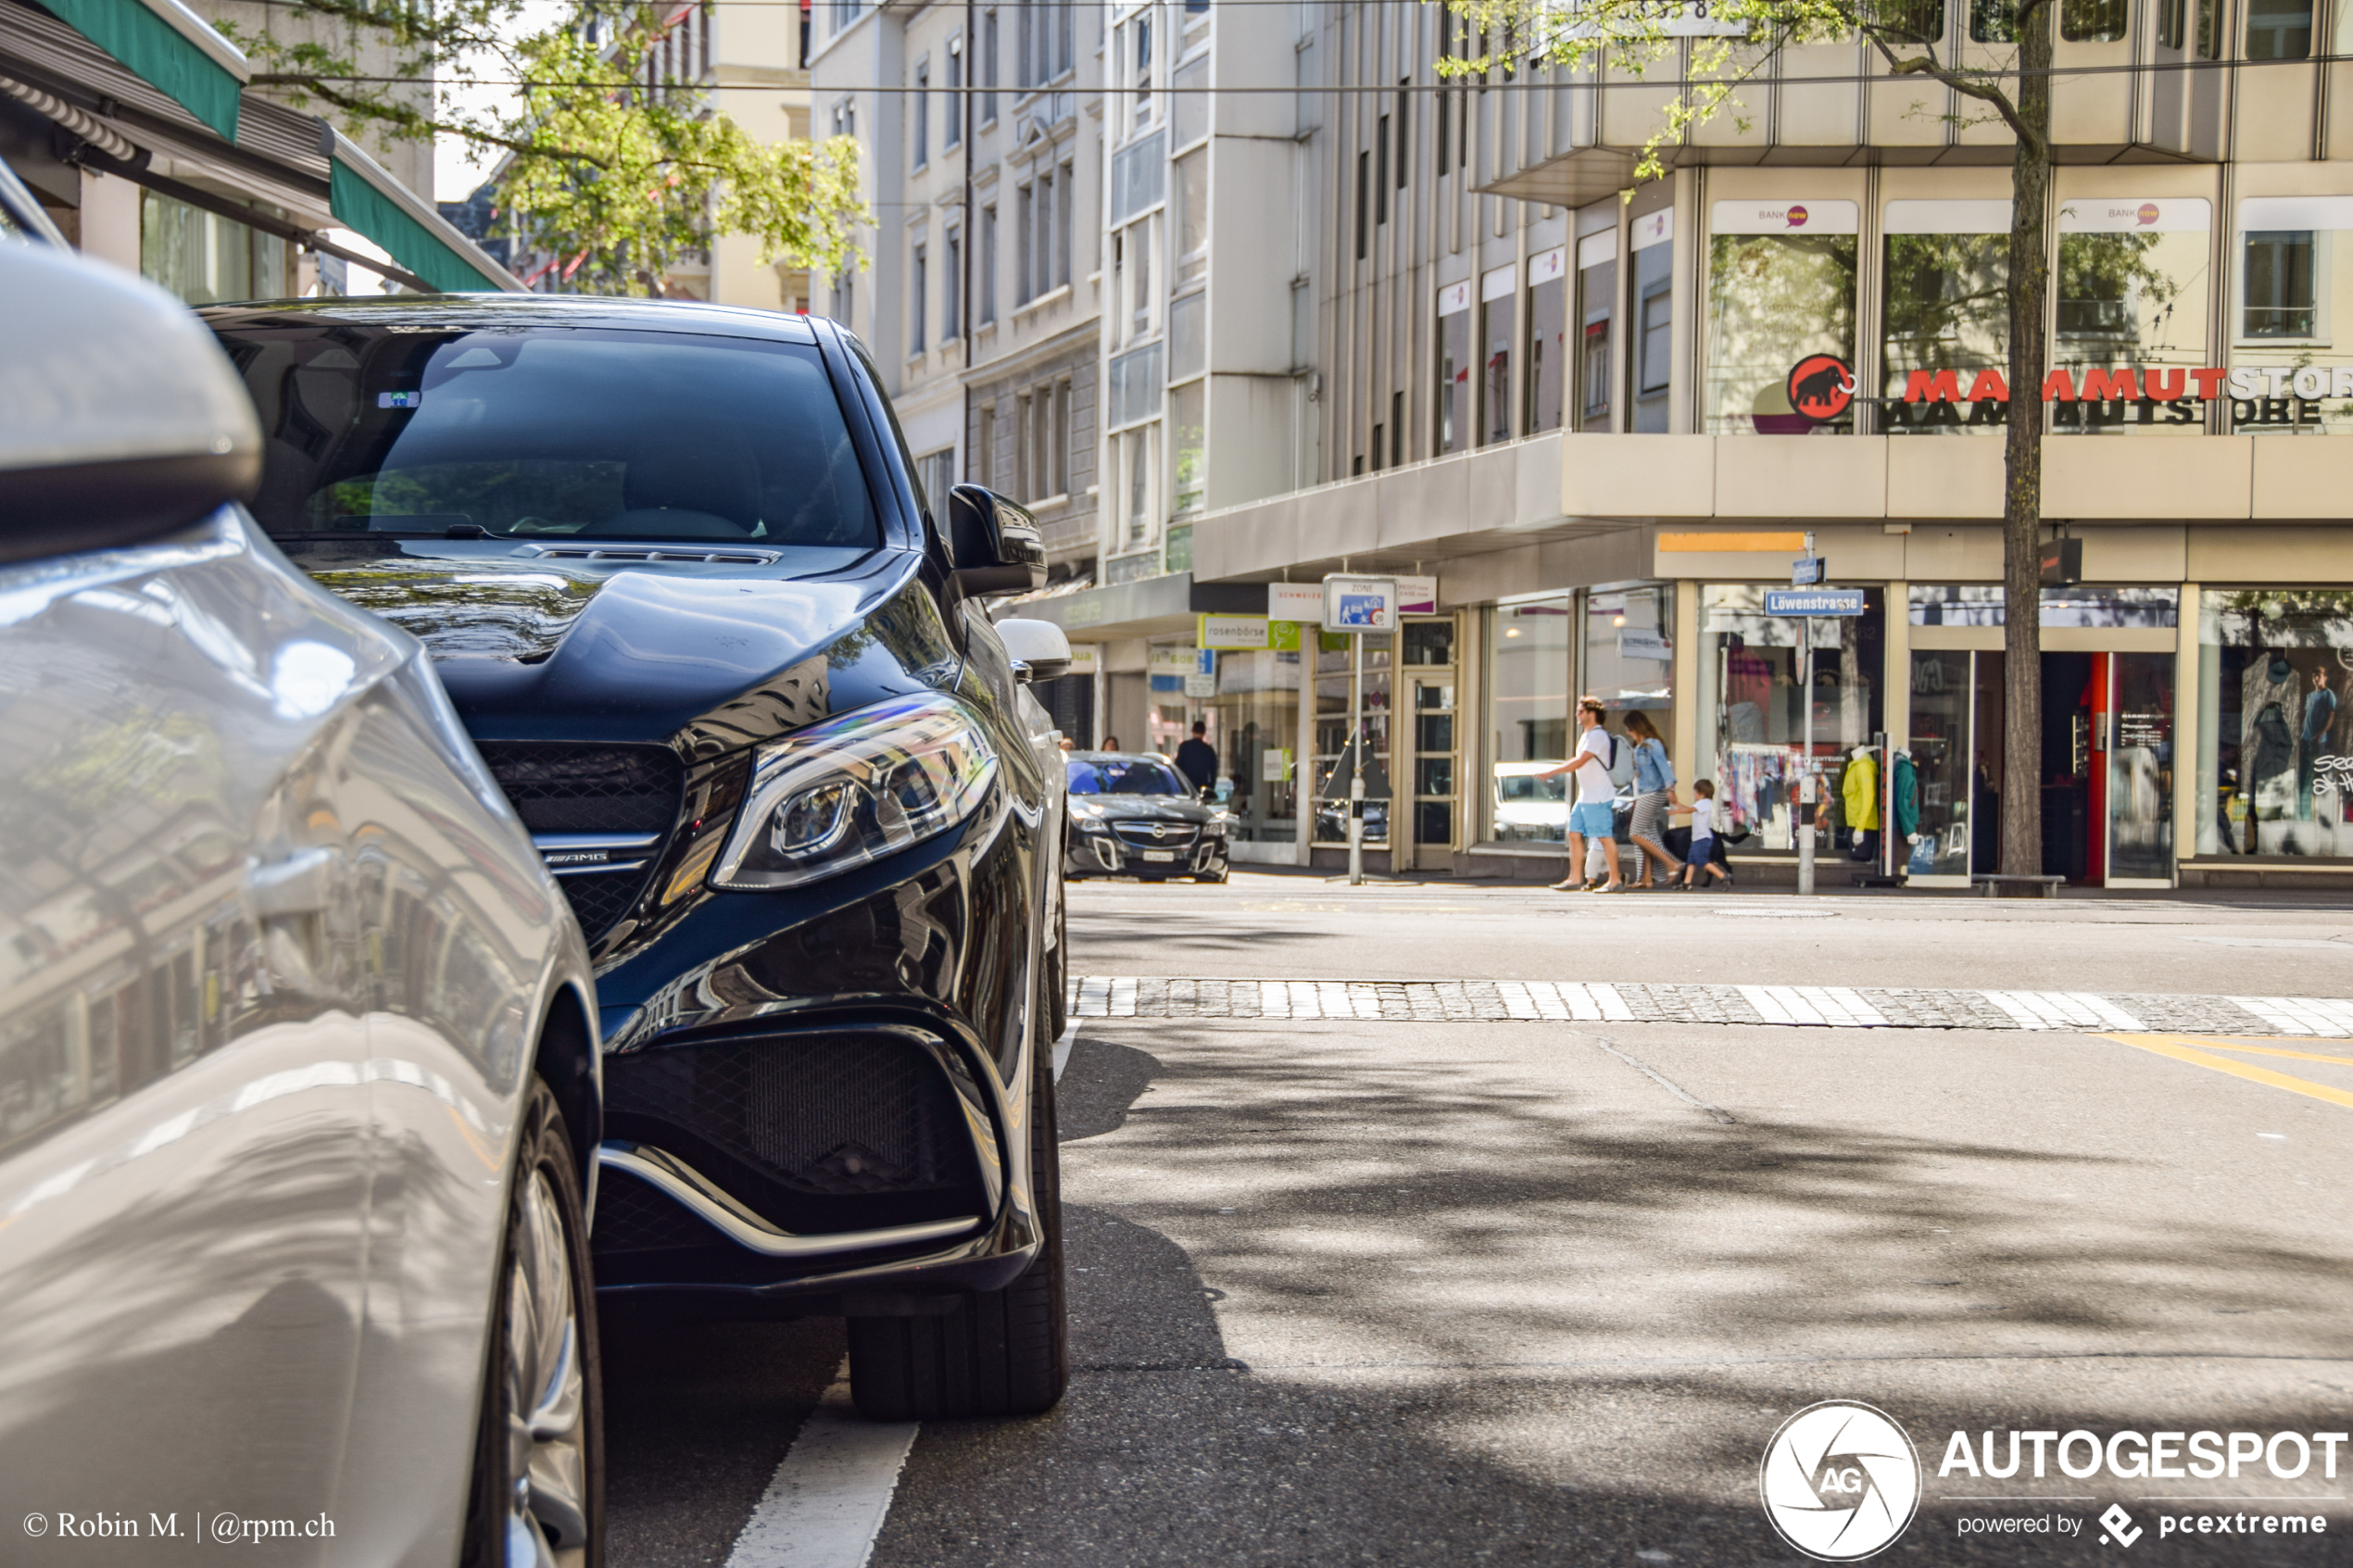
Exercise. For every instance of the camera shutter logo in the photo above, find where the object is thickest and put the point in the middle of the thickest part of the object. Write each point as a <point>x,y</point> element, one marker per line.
<point>1840,1481</point>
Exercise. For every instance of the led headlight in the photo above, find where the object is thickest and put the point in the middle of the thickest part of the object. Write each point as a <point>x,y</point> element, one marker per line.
<point>855,788</point>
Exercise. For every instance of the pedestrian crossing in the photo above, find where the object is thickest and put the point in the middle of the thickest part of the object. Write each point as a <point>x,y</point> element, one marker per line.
<point>1830,1006</point>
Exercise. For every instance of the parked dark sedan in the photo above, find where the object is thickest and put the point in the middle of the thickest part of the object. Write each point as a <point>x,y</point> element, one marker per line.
<point>1133,815</point>
<point>727,661</point>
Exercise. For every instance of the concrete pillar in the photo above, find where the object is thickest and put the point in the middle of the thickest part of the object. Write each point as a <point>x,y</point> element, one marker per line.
<point>110,219</point>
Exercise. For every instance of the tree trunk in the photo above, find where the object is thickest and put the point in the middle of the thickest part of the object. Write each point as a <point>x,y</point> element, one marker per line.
<point>2022,489</point>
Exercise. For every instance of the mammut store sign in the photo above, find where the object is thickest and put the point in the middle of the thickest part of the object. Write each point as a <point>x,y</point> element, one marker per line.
<point>2259,394</point>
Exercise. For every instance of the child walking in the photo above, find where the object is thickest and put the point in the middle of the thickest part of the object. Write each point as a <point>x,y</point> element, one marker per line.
<point>1702,862</point>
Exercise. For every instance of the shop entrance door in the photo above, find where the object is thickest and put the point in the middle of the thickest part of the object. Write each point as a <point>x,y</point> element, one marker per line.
<point>1433,741</point>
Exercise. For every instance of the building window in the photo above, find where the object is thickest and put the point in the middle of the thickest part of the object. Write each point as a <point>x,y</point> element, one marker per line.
<point>988,264</point>
<point>983,466</point>
<point>1069,189</point>
<point>1596,313</point>
<point>1404,147</point>
<point>1496,314</point>
<point>1945,295</point>
<point>2279,30</point>
<point>1380,170</point>
<point>918,290</point>
<point>1454,368</point>
<point>1653,321</point>
<point>953,132</point>
<point>1059,459</point>
<point>951,286</point>
<point>935,471</point>
<point>2133,296</point>
<point>205,257</point>
<point>1024,473</point>
<point>2299,373</point>
<point>2103,21</point>
<point>1396,430</point>
<point>2276,726</point>
<point>1776,298</point>
<point>1379,442</point>
<point>1547,340</point>
<point>1528,659</point>
<point>988,67</point>
<point>923,113</point>
<point>2279,284</point>
<point>1024,232</point>
<point>1364,198</point>
<point>1993,21</point>
<point>1191,193</point>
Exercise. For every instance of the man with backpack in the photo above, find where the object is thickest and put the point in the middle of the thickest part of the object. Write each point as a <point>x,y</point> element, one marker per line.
<point>1591,816</point>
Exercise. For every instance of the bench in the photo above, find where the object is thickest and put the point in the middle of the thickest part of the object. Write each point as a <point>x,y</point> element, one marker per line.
<point>1990,885</point>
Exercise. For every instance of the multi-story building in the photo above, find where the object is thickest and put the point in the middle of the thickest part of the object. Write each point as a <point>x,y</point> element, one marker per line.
<point>1611,515</point>
<point>985,287</point>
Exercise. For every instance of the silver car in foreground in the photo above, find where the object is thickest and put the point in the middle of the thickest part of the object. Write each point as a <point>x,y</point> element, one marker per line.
<point>299,1079</point>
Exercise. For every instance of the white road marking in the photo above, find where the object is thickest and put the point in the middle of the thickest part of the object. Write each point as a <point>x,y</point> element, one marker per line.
<point>829,1497</point>
<point>1061,1051</point>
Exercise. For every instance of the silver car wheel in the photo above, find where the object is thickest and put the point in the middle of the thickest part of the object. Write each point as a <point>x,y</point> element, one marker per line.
<point>545,1395</point>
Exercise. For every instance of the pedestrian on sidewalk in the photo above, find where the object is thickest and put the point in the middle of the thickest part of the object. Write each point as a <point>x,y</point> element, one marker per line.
<point>1593,814</point>
<point>1197,760</point>
<point>1707,846</point>
<point>1654,796</point>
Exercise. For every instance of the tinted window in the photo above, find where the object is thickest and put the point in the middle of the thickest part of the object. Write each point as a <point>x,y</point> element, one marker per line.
<point>1125,776</point>
<point>551,435</point>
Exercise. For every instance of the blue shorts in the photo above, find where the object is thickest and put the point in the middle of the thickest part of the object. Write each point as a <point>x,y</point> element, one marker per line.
<point>1592,818</point>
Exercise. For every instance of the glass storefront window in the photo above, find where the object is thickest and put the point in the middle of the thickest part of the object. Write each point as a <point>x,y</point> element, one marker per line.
<point>1755,727</point>
<point>1629,657</point>
<point>1253,723</point>
<point>1547,340</point>
<point>2085,605</point>
<point>206,258</point>
<point>2275,733</point>
<point>1597,310</point>
<point>1454,368</point>
<point>2296,287</point>
<point>2134,286</point>
<point>1945,292</point>
<point>1943,752</point>
<point>1527,696</point>
<point>1335,760</point>
<point>1780,288</point>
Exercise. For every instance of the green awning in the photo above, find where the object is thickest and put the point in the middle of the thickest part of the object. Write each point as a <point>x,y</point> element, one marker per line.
<point>364,198</point>
<point>169,47</point>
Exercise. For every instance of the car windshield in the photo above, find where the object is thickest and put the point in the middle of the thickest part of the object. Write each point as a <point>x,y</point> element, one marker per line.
<point>549,433</point>
<point>1123,775</point>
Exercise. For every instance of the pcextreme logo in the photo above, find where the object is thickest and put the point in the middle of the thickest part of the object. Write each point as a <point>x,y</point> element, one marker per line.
<point>1840,1481</point>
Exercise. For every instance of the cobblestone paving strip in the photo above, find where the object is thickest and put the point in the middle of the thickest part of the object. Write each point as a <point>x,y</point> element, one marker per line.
<point>1829,1007</point>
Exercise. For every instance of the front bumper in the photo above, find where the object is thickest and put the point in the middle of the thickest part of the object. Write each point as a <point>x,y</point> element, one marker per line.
<point>817,1097</point>
<point>1106,854</point>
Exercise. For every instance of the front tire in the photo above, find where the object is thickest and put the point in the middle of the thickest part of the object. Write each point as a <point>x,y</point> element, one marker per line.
<point>999,1352</point>
<point>538,1497</point>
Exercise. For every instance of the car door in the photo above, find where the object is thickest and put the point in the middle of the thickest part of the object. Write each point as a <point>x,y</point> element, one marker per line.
<point>183,1119</point>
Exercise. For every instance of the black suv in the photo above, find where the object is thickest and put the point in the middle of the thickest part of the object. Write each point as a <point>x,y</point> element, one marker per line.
<point>675,570</point>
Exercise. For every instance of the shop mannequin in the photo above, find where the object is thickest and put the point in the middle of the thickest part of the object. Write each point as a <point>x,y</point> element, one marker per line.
<point>1858,792</point>
<point>2271,709</point>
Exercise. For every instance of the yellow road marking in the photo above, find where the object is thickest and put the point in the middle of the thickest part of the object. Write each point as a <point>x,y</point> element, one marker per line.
<point>2264,1050</point>
<point>2178,1048</point>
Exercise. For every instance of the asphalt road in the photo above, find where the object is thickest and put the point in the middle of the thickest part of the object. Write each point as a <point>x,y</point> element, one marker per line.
<point>1542,1292</point>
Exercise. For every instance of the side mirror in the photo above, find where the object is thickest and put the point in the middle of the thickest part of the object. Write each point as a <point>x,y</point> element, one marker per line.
<point>996,543</point>
<point>119,417</point>
<point>1040,651</point>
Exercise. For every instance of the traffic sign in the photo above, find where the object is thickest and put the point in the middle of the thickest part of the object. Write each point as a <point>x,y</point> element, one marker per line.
<point>1359,604</point>
<point>1814,601</point>
<point>1807,571</point>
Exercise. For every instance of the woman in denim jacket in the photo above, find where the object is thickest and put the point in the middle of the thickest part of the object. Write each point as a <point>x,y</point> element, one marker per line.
<point>1654,793</point>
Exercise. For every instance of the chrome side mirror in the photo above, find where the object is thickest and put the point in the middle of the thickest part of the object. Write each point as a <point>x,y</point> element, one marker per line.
<point>1039,650</point>
<point>119,417</point>
<point>996,543</point>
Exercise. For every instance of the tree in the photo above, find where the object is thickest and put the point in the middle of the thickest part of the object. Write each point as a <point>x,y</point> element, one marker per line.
<point>606,164</point>
<point>1634,36</point>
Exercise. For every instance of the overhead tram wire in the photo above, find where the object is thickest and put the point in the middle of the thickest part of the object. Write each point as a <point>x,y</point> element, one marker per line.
<point>1458,84</point>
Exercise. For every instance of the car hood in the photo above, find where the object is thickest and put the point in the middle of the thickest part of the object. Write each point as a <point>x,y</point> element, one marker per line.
<point>1149,808</point>
<point>532,647</point>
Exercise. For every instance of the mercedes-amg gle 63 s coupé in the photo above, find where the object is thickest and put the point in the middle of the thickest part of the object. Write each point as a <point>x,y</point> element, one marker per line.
<point>730,665</point>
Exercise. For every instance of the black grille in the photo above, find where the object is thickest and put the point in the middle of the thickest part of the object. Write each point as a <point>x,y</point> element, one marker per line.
<point>564,787</point>
<point>1174,836</point>
<point>836,1115</point>
<point>632,1217</point>
<point>557,786</point>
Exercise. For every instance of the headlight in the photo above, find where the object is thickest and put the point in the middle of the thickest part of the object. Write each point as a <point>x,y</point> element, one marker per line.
<point>856,788</point>
<point>1086,809</point>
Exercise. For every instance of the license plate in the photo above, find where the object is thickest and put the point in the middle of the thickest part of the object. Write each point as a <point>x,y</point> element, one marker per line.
<point>1160,854</point>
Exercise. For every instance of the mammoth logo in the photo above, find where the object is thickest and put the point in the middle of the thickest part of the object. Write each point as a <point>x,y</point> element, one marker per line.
<point>1820,387</point>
